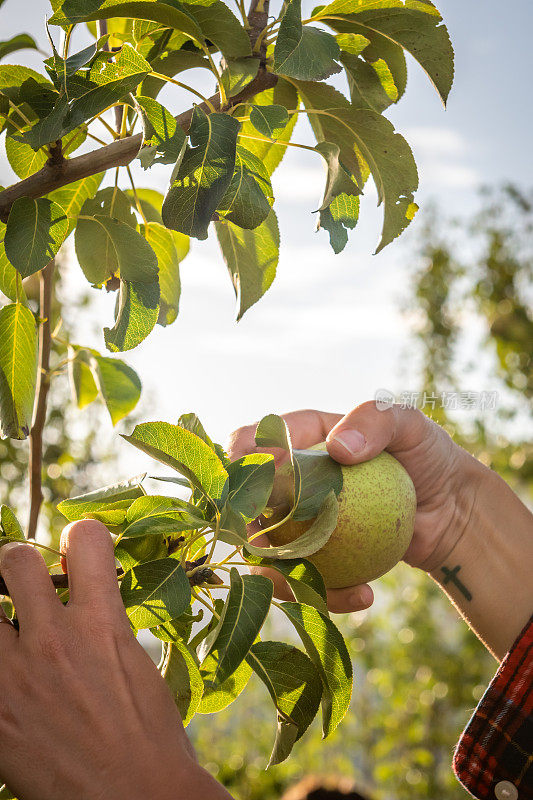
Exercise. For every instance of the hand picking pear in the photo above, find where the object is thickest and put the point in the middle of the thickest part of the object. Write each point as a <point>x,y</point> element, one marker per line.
<point>377,507</point>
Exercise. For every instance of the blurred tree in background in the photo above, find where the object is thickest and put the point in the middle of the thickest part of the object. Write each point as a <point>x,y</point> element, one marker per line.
<point>419,671</point>
<point>473,294</point>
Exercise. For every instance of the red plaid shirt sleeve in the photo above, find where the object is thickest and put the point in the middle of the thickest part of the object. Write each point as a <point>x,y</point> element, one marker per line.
<point>494,757</point>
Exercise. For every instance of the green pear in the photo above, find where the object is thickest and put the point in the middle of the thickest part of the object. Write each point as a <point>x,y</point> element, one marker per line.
<point>377,507</point>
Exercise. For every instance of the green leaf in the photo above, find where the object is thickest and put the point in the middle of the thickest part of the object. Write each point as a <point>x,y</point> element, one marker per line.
<point>340,216</point>
<point>294,686</point>
<point>136,315</point>
<point>248,198</point>
<point>167,14</point>
<point>383,54</point>
<point>416,25</point>
<point>183,451</point>
<point>83,57</point>
<point>129,62</point>
<point>157,504</point>
<point>269,120</point>
<point>371,85</point>
<point>250,483</point>
<point>10,279</point>
<point>183,678</point>
<point>389,157</point>
<point>220,26</point>
<point>161,525</point>
<point>77,507</point>
<point>251,257</point>
<point>20,42</point>
<point>338,180</point>
<point>192,423</point>
<point>155,592</point>
<point>25,161</point>
<point>327,650</point>
<point>109,83</point>
<point>91,374</point>
<point>118,384</point>
<point>242,618</point>
<point>312,540</point>
<point>392,166</point>
<point>303,52</point>
<point>131,552</point>
<point>170,64</point>
<point>35,231</point>
<point>163,136</point>
<point>72,197</point>
<point>162,242</point>
<point>232,527</point>
<point>83,386</point>
<point>270,153</point>
<point>203,175</point>
<point>179,629</point>
<point>9,524</point>
<point>111,202</point>
<point>238,73</point>
<point>272,431</point>
<point>327,127</point>
<point>220,696</point>
<point>13,76</point>
<point>18,370</point>
<point>105,245</point>
<point>317,474</point>
<point>304,579</point>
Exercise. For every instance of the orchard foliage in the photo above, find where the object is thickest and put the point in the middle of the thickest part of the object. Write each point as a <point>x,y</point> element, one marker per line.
<point>221,154</point>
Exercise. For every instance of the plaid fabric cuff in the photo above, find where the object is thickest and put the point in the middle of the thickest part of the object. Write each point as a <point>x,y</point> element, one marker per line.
<point>494,757</point>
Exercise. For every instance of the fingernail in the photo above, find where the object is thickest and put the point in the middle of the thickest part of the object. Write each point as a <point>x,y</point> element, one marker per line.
<point>353,441</point>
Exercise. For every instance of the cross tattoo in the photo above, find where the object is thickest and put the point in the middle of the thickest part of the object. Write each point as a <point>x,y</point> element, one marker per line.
<point>451,577</point>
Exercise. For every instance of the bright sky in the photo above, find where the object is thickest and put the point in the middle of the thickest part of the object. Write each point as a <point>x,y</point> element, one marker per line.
<point>330,331</point>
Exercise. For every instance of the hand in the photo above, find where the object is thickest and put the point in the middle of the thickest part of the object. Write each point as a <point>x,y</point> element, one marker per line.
<point>84,713</point>
<point>444,476</point>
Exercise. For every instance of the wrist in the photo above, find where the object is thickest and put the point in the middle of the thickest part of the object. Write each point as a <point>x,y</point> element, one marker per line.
<point>460,514</point>
<point>486,573</point>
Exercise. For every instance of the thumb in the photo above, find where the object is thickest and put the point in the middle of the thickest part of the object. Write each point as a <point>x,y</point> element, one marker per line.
<point>367,430</point>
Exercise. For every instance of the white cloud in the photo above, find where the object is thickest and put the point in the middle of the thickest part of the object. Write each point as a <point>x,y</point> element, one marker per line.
<point>435,140</point>
<point>443,158</point>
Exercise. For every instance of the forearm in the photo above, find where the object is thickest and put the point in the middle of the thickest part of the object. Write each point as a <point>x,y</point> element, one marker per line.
<point>488,573</point>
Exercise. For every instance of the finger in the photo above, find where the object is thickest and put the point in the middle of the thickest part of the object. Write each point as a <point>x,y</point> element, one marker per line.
<point>90,560</point>
<point>354,598</point>
<point>340,601</point>
<point>29,584</point>
<point>307,427</point>
<point>366,431</point>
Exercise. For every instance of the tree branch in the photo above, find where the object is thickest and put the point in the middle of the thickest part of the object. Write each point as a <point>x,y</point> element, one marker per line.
<point>258,20</point>
<point>46,278</point>
<point>116,154</point>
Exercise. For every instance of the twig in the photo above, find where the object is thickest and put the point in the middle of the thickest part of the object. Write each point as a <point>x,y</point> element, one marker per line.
<point>46,279</point>
<point>116,154</point>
